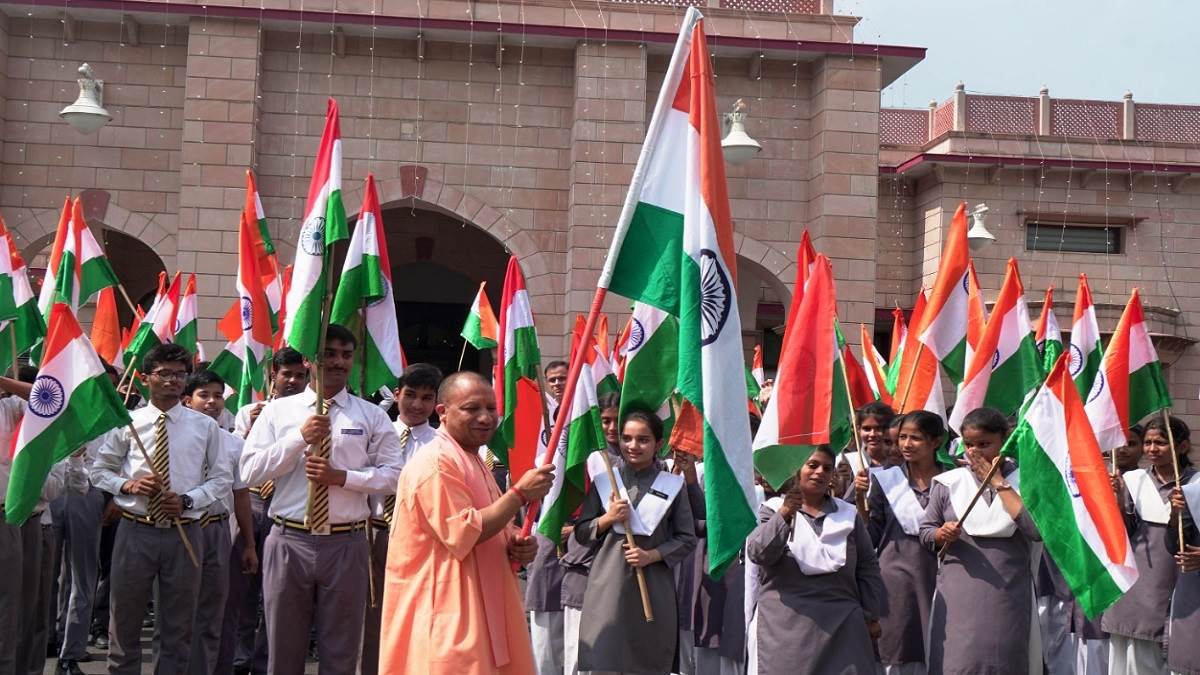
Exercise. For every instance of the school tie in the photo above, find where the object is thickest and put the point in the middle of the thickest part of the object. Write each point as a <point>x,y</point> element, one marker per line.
<point>266,490</point>
<point>389,503</point>
<point>489,459</point>
<point>161,462</point>
<point>318,493</point>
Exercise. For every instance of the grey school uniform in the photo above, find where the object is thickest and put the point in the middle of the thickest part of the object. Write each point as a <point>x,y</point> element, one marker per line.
<point>613,633</point>
<point>982,608</point>
<point>812,623</point>
<point>719,620</point>
<point>1142,612</point>
<point>909,571</point>
<point>1183,626</point>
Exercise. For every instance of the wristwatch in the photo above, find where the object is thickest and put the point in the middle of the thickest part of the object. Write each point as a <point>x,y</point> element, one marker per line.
<point>186,501</point>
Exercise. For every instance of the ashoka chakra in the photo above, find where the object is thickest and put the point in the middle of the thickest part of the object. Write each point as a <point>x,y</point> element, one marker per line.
<point>637,334</point>
<point>1075,360</point>
<point>47,397</point>
<point>716,295</point>
<point>312,236</point>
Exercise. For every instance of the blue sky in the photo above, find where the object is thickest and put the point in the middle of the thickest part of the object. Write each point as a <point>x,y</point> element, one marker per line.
<point>1079,49</point>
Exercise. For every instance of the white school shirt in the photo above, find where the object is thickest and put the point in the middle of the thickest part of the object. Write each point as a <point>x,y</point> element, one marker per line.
<point>233,457</point>
<point>418,437</point>
<point>12,409</point>
<point>198,466</point>
<point>241,422</point>
<point>365,446</point>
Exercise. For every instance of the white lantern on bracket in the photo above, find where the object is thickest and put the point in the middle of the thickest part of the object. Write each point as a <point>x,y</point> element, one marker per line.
<point>87,113</point>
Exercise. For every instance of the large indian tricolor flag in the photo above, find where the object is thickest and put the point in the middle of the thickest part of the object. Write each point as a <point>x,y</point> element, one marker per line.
<point>1130,383</point>
<point>673,249</point>
<point>364,301</point>
<point>809,406</point>
<point>1068,493</point>
<point>72,402</point>
<point>520,359</point>
<point>1006,368</point>
<point>945,321</point>
<point>324,224</point>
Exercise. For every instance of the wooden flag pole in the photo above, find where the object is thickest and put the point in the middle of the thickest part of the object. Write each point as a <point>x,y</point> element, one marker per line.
<point>643,589</point>
<point>187,544</point>
<point>319,383</point>
<point>860,500</point>
<point>912,375</point>
<point>463,354</point>
<point>978,493</point>
<point>12,336</point>
<point>1175,465</point>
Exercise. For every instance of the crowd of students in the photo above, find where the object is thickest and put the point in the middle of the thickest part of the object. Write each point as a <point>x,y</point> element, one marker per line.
<point>851,568</point>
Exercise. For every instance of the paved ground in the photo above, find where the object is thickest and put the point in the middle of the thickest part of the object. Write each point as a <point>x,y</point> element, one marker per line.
<point>96,665</point>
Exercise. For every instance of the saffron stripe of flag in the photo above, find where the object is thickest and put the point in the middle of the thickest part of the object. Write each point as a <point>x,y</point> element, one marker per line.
<point>481,328</point>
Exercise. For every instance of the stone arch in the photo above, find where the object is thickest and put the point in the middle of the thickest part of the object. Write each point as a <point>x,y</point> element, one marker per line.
<point>773,266</point>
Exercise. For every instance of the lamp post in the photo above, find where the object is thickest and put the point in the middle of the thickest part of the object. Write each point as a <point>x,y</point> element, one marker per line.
<point>737,146</point>
<point>87,113</point>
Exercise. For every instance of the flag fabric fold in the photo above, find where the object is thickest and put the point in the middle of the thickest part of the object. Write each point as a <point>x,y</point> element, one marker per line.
<point>186,329</point>
<point>20,321</point>
<point>1046,333</point>
<point>480,328</point>
<point>945,321</point>
<point>1068,493</point>
<point>1085,349</point>
<point>519,358</point>
<point>876,367</point>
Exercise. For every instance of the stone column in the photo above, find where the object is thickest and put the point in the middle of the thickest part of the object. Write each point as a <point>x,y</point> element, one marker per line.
<point>844,179</point>
<point>220,114</point>
<point>606,137</point>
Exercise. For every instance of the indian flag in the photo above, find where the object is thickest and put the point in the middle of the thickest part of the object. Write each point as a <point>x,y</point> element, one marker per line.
<point>366,285</point>
<point>858,383</point>
<point>93,270</point>
<point>919,375</point>
<point>602,370</point>
<point>520,358</point>
<point>480,328</point>
<point>242,363</point>
<point>1130,383</point>
<point>72,402</point>
<point>18,309</point>
<point>254,217</point>
<point>324,224</point>
<point>155,327</point>
<point>943,325</point>
<point>1086,352</point>
<point>976,314</point>
<point>757,371</point>
<point>1006,369</point>
<point>186,328</point>
<point>809,406</point>
<point>1046,333</point>
<point>50,281</point>
<point>899,337</point>
<point>673,249</point>
<point>651,359</point>
<point>1067,491</point>
<point>584,435</point>
<point>876,367</point>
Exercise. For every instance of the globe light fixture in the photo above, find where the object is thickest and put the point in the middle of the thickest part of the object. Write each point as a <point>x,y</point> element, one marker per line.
<point>87,113</point>
<point>737,146</point>
<point>978,236</point>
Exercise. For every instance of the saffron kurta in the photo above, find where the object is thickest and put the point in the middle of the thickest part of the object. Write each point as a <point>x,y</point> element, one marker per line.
<point>451,604</point>
<point>983,608</point>
<point>812,623</point>
<point>613,633</point>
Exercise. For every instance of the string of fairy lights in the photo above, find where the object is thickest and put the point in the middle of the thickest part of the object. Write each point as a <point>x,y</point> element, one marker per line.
<point>1043,192</point>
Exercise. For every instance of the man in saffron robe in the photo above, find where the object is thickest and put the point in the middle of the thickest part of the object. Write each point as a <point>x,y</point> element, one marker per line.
<point>451,604</point>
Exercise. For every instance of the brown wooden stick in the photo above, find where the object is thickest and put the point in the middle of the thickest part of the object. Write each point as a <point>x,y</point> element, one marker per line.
<point>860,500</point>
<point>1175,465</point>
<point>647,610</point>
<point>978,493</point>
<point>187,544</point>
<point>12,335</point>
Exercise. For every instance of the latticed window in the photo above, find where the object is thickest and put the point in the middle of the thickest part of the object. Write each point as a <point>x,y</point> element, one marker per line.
<point>1073,237</point>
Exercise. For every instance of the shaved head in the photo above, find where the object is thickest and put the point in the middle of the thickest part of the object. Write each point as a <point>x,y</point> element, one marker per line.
<point>461,381</point>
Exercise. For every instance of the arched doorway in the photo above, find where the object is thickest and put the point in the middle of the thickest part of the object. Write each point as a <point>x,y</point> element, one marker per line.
<point>762,303</point>
<point>437,263</point>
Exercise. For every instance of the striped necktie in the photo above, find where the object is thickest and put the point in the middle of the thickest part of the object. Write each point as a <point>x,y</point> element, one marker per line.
<point>318,493</point>
<point>489,459</point>
<point>161,462</point>
<point>389,503</point>
<point>266,490</point>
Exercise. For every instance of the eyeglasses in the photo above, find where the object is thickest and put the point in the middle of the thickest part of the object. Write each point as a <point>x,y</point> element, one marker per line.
<point>170,374</point>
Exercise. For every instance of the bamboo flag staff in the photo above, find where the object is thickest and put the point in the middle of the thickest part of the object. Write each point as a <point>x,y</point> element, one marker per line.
<point>1175,465</point>
<point>983,485</point>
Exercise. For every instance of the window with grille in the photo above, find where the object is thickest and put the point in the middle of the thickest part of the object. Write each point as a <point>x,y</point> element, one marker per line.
<point>1073,238</point>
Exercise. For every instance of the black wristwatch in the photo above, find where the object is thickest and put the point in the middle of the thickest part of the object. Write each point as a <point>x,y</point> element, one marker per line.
<point>186,501</point>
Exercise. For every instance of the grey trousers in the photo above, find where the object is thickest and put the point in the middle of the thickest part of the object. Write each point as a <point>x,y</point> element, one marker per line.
<point>210,603</point>
<point>12,562</point>
<point>43,617</point>
<point>30,592</point>
<point>82,552</point>
<point>250,649</point>
<point>370,645</point>
<point>152,560</point>
<point>309,578</point>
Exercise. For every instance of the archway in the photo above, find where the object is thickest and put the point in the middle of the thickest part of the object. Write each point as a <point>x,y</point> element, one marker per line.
<point>762,304</point>
<point>437,263</point>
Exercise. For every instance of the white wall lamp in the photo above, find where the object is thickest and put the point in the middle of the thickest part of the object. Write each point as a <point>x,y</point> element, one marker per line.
<point>87,113</point>
<point>978,237</point>
<point>737,145</point>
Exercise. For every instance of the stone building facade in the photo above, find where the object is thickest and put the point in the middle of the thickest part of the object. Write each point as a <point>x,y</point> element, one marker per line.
<point>513,127</point>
